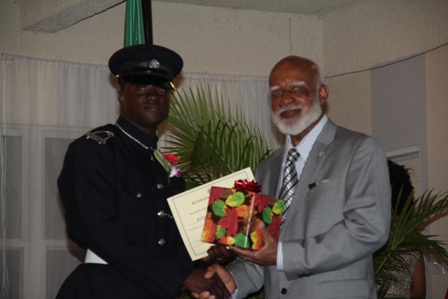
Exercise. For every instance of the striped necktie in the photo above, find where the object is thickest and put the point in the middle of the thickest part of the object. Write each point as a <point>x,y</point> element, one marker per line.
<point>290,180</point>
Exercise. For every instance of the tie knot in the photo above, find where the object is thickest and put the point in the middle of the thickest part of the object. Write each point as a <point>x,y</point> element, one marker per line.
<point>293,155</point>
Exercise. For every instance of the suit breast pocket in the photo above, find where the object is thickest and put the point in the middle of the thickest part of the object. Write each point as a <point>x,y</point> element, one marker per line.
<point>325,205</point>
<point>322,191</point>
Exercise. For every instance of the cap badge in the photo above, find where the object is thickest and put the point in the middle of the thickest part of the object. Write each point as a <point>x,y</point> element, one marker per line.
<point>154,64</point>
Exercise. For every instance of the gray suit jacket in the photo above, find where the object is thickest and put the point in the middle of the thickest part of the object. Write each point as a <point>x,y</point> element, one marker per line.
<point>332,228</point>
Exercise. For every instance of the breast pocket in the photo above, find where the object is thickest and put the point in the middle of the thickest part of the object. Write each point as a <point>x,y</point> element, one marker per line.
<point>325,204</point>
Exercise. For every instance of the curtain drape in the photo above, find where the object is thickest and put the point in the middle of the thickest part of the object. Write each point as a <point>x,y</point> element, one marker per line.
<point>44,106</point>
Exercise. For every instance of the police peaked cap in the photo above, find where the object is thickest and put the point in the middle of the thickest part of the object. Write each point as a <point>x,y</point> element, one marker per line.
<point>147,65</point>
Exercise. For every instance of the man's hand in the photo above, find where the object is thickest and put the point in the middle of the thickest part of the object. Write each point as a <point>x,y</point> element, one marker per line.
<point>225,276</point>
<point>266,255</point>
<point>219,254</point>
<point>204,282</point>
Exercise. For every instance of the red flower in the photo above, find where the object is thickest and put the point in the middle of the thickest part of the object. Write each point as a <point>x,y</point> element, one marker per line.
<point>173,159</point>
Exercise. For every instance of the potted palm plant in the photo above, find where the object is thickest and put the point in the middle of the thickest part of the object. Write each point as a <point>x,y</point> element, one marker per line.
<point>407,238</point>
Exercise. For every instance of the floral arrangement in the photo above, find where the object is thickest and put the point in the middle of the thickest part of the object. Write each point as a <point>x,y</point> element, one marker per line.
<point>173,160</point>
<point>169,162</point>
<point>233,215</point>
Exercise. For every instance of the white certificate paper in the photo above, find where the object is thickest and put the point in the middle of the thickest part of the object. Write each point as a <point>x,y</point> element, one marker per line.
<point>189,210</point>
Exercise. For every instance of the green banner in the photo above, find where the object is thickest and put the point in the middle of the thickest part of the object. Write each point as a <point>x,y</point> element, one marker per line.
<point>134,32</point>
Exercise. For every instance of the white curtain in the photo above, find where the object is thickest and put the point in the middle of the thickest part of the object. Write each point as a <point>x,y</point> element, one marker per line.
<point>45,105</point>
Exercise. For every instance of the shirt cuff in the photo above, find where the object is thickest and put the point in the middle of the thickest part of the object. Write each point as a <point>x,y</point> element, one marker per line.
<point>280,266</point>
<point>235,293</point>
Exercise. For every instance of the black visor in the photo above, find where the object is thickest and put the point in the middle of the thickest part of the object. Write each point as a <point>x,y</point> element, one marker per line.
<point>148,76</point>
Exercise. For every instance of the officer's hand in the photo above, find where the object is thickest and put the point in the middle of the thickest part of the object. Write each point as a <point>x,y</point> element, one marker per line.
<point>208,283</point>
<point>225,276</point>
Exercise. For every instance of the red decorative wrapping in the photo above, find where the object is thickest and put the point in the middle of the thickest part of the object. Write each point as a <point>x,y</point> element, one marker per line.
<point>233,215</point>
<point>244,185</point>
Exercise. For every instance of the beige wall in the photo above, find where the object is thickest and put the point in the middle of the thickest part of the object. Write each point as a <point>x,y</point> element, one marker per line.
<point>349,101</point>
<point>229,41</point>
<point>373,32</point>
<point>212,40</point>
<point>437,108</point>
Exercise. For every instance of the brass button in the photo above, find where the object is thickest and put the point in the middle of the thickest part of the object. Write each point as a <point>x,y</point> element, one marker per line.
<point>139,195</point>
<point>159,186</point>
<point>161,242</point>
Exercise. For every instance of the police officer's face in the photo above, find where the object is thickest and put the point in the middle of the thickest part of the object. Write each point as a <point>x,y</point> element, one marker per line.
<point>146,106</point>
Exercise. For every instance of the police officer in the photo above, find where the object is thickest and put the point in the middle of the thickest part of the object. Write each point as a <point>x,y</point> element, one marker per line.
<point>114,188</point>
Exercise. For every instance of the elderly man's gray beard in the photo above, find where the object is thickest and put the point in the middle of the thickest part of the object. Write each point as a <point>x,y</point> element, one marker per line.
<point>298,125</point>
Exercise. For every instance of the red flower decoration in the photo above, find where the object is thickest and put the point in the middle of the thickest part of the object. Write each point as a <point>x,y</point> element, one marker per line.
<point>244,185</point>
<point>173,159</point>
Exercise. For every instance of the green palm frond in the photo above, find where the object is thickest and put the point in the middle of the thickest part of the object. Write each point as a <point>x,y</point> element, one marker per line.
<point>406,238</point>
<point>209,141</point>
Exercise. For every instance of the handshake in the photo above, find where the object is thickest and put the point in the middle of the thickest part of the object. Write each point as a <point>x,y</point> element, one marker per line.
<point>221,283</point>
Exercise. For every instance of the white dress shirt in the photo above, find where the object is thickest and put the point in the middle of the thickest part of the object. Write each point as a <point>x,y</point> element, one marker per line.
<point>304,148</point>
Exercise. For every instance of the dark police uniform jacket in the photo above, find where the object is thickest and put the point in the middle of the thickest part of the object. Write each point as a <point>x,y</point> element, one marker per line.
<point>114,193</point>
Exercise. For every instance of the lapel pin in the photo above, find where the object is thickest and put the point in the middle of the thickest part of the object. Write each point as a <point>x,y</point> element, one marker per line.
<point>320,155</point>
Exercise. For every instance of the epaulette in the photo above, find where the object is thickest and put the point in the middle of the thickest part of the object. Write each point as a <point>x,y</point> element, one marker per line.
<point>99,136</point>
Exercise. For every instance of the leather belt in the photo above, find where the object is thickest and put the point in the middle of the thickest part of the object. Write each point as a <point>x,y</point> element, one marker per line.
<point>92,258</point>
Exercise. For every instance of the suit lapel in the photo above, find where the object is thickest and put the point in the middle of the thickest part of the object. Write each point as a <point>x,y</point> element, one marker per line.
<point>274,172</point>
<point>316,158</point>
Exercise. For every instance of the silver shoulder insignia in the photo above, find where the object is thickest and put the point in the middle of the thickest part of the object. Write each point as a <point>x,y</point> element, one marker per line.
<point>100,136</point>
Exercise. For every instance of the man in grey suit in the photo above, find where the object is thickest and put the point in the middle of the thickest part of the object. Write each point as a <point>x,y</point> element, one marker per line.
<point>339,214</point>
